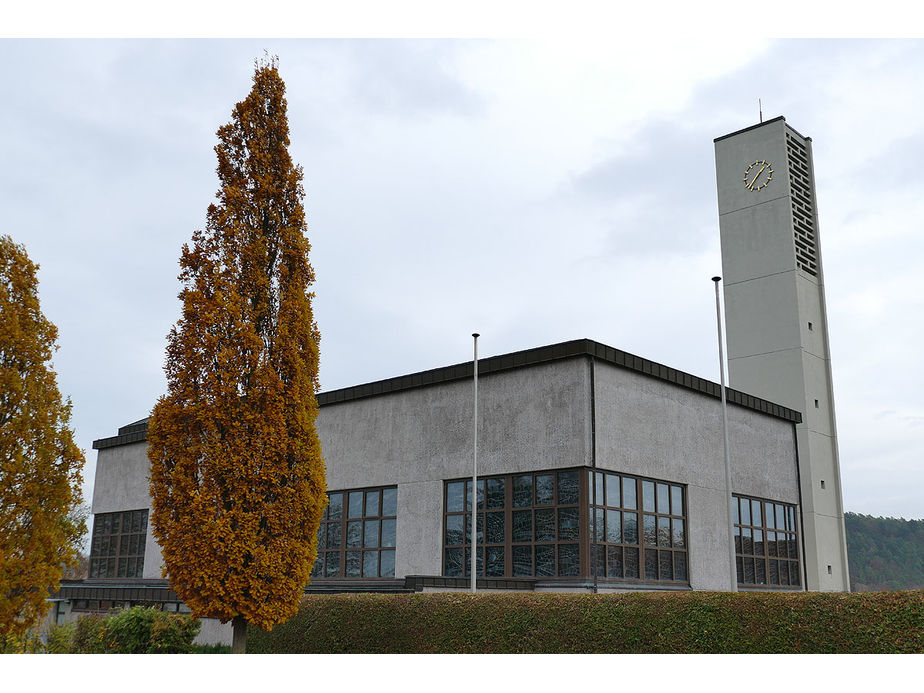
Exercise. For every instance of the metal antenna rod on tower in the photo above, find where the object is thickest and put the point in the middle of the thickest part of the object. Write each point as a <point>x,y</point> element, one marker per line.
<point>760,109</point>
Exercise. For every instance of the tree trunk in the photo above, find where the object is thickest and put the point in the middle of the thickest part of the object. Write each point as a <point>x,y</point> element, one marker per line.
<point>238,635</point>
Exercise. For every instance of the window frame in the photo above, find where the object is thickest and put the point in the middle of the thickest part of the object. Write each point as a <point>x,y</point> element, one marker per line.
<point>110,550</point>
<point>763,561</point>
<point>328,551</point>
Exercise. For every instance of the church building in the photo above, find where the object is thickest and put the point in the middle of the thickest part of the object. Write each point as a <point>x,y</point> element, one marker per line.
<point>598,470</point>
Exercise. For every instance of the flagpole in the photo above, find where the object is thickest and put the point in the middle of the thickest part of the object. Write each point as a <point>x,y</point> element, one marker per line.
<point>475,336</point>
<point>728,478</point>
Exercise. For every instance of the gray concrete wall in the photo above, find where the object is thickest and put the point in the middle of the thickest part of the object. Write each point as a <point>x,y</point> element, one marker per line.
<point>648,427</point>
<point>530,418</point>
<point>122,483</point>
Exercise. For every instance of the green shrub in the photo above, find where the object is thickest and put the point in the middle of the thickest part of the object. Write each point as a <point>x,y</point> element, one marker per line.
<point>61,638</point>
<point>135,631</point>
<point>212,649</point>
<point>646,622</point>
<point>88,635</point>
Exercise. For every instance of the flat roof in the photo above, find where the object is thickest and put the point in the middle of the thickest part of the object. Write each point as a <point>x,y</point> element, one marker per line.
<point>136,432</point>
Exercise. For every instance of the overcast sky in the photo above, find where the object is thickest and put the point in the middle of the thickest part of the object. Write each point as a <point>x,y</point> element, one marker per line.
<point>533,191</point>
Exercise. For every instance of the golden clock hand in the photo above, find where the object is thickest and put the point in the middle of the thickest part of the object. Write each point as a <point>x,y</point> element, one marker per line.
<point>751,184</point>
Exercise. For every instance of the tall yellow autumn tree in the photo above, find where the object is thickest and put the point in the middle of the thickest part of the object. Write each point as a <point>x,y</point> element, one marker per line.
<point>39,463</point>
<point>237,479</point>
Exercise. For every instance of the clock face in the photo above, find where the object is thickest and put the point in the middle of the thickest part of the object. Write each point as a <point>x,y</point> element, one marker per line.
<point>758,175</point>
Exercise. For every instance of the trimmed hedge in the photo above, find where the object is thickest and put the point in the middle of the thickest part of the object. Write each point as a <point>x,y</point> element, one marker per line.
<point>640,623</point>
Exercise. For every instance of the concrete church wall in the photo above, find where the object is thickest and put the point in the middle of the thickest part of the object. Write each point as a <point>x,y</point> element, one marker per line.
<point>531,418</point>
<point>648,427</point>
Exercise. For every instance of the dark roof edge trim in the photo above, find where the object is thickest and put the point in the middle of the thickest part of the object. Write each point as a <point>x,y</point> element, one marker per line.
<point>752,127</point>
<point>137,432</point>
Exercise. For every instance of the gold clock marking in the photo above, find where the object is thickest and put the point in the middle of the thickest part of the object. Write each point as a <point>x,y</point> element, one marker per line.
<point>758,175</point>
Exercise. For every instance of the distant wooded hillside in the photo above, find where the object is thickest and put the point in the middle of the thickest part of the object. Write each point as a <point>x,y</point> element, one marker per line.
<point>884,553</point>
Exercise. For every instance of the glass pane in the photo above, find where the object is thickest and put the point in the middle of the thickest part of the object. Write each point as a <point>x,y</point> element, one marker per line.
<point>333,535</point>
<point>370,563</point>
<point>676,500</point>
<point>567,488</point>
<point>612,491</point>
<point>495,528</point>
<point>774,577</point>
<point>780,517</point>
<point>597,490</point>
<point>651,565</point>
<point>388,532</point>
<point>791,521</point>
<point>651,531</point>
<point>390,501</point>
<point>745,511</point>
<point>523,527</point>
<point>630,527</point>
<point>747,546</point>
<point>454,491</point>
<point>614,561</point>
<point>758,542</point>
<point>495,561</point>
<point>680,565</point>
<point>794,576</point>
<point>454,526</point>
<point>628,494</point>
<point>523,492</point>
<point>356,504</point>
<point>737,539</point>
<point>597,560</point>
<point>468,528</point>
<point>479,568</point>
<point>322,537</point>
<point>679,538</point>
<point>568,524</point>
<point>756,519</point>
<point>545,487</point>
<point>371,534</point>
<point>770,516</point>
<point>453,566</point>
<point>495,494</point>
<point>335,507</point>
<point>630,556</point>
<point>353,563</point>
<point>664,503</point>
<point>545,561</point>
<point>748,564</point>
<point>613,526</point>
<point>545,525</point>
<point>372,503</point>
<point>332,564</point>
<point>664,531</point>
<point>781,545</point>
<point>568,560</point>
<point>136,522</point>
<point>771,543</point>
<point>737,511</point>
<point>522,561</point>
<point>760,572</point>
<point>387,563</point>
<point>354,534</point>
<point>667,566</point>
<point>740,569</point>
<point>468,495</point>
<point>648,495</point>
<point>598,528</point>
<point>793,550</point>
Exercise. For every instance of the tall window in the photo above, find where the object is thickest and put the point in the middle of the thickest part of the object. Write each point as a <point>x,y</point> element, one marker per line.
<point>356,538</point>
<point>117,548</point>
<point>528,525</point>
<point>638,528</point>
<point>766,547</point>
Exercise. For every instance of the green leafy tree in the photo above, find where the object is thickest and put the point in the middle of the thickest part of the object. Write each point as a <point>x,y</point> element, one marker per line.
<point>237,478</point>
<point>40,526</point>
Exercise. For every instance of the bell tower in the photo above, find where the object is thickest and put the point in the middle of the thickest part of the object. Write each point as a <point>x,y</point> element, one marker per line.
<point>776,321</point>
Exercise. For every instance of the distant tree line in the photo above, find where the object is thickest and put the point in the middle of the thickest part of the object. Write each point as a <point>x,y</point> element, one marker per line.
<point>884,553</point>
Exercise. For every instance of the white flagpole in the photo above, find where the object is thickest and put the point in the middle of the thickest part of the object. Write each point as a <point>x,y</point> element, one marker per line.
<point>728,479</point>
<point>475,466</point>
